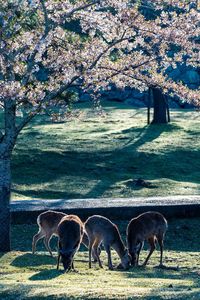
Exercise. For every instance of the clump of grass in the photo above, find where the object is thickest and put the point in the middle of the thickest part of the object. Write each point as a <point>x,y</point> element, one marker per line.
<point>27,276</point>
<point>95,156</point>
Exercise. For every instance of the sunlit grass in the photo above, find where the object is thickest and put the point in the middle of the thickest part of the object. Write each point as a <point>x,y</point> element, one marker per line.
<point>98,156</point>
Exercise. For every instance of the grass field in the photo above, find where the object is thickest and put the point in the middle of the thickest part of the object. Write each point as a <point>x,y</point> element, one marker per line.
<point>100,156</point>
<point>27,276</point>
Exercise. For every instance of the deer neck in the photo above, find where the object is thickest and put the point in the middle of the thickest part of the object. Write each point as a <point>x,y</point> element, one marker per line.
<point>119,247</point>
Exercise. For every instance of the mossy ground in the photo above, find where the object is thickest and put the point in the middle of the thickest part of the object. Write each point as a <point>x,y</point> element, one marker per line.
<point>27,276</point>
<point>93,156</point>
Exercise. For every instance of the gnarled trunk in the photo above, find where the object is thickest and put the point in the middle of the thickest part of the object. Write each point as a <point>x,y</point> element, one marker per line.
<point>160,107</point>
<point>5,185</point>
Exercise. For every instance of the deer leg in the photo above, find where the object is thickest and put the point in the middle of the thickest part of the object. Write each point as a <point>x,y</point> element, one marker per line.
<point>58,261</point>
<point>46,243</point>
<point>85,241</point>
<point>96,250</point>
<point>160,242</point>
<point>138,252</point>
<point>91,241</point>
<point>107,248</point>
<point>36,238</point>
<point>153,246</point>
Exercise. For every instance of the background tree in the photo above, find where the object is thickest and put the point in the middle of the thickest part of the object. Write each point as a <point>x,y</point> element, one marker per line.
<point>144,56</point>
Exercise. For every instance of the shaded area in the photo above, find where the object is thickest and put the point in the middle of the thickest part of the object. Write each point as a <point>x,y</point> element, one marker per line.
<point>46,275</point>
<point>21,238</point>
<point>89,168</point>
<point>28,260</point>
<point>182,234</point>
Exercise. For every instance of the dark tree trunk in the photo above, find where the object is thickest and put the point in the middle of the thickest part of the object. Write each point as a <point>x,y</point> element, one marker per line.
<point>5,184</point>
<point>149,106</point>
<point>7,143</point>
<point>160,106</point>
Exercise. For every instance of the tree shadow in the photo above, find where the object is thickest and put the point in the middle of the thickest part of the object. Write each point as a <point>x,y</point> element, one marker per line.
<point>50,194</point>
<point>29,260</point>
<point>46,275</point>
<point>103,167</point>
<point>147,134</point>
<point>129,153</point>
<point>182,274</point>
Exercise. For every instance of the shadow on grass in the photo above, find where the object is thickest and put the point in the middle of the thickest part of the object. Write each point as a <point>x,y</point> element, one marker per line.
<point>152,272</point>
<point>151,165</point>
<point>50,194</point>
<point>33,260</point>
<point>12,293</point>
<point>46,275</point>
<point>81,167</point>
<point>2,254</point>
<point>186,291</point>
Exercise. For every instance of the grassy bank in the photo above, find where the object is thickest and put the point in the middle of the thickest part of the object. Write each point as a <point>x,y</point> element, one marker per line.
<point>27,276</point>
<point>100,156</point>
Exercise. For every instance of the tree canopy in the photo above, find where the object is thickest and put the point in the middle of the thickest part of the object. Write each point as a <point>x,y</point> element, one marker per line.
<point>128,43</point>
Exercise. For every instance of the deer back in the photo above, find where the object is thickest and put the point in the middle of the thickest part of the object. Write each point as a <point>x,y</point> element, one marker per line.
<point>49,220</point>
<point>144,226</point>
<point>70,232</point>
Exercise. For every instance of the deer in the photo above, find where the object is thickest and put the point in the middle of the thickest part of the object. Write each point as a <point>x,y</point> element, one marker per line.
<point>101,230</point>
<point>70,232</point>
<point>48,223</point>
<point>151,227</point>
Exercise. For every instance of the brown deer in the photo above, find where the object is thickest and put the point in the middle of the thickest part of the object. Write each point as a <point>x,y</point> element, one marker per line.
<point>48,223</point>
<point>101,230</point>
<point>70,233</point>
<point>150,226</point>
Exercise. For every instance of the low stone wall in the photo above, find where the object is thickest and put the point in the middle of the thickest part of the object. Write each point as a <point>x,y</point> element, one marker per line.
<point>26,211</point>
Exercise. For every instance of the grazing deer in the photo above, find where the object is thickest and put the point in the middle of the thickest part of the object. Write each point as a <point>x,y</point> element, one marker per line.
<point>48,223</point>
<point>70,233</point>
<point>149,226</point>
<point>101,230</point>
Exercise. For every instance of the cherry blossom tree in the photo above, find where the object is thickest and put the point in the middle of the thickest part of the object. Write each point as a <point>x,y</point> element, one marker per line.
<point>143,50</point>
<point>117,44</point>
<point>32,37</point>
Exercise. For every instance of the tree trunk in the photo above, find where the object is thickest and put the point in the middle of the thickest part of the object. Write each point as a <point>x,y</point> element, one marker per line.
<point>161,113</point>
<point>5,184</point>
<point>149,106</point>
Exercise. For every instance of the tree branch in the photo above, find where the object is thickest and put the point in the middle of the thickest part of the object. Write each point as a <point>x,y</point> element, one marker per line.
<point>47,98</point>
<point>104,52</point>
<point>37,47</point>
<point>84,6</point>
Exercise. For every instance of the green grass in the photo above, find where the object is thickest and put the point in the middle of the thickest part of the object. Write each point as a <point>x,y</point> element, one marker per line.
<point>98,156</point>
<point>27,276</point>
